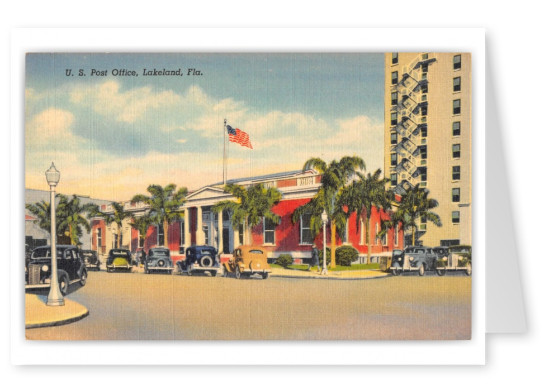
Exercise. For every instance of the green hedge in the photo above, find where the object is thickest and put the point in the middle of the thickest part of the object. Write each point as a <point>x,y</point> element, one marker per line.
<point>345,255</point>
<point>284,260</point>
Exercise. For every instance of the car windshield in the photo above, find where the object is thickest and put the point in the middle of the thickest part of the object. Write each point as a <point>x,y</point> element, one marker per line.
<point>396,252</point>
<point>440,251</point>
<point>463,250</point>
<point>45,253</point>
<point>119,253</point>
<point>256,252</point>
<point>159,251</point>
<point>206,252</point>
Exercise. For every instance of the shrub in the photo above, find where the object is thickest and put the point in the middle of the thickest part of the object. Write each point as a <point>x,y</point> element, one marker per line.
<point>284,260</point>
<point>345,255</point>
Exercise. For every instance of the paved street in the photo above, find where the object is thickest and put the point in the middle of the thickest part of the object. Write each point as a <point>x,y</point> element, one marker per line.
<point>136,306</point>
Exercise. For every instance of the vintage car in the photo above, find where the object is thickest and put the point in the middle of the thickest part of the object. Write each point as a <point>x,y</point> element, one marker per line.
<point>158,260</point>
<point>413,259</point>
<point>70,268</point>
<point>199,259</point>
<point>119,259</point>
<point>458,259</point>
<point>246,261</point>
<point>91,260</point>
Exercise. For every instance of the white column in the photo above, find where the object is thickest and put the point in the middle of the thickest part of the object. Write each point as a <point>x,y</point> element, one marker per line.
<point>187,228</point>
<point>220,233</point>
<point>199,235</point>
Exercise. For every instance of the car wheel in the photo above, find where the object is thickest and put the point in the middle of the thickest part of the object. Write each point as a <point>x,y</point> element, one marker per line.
<point>422,269</point>
<point>237,273</point>
<point>189,271</point>
<point>441,272</point>
<point>83,277</point>
<point>469,269</point>
<point>224,272</point>
<point>63,284</point>
<point>395,271</point>
<point>265,276</point>
<point>206,261</point>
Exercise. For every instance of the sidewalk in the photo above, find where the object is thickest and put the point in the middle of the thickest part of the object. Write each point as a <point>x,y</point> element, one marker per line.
<point>331,275</point>
<point>38,314</point>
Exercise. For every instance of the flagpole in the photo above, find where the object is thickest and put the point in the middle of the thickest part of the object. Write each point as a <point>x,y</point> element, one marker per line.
<point>224,159</point>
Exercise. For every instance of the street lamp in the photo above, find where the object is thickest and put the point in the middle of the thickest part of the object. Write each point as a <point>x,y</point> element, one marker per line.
<point>55,298</point>
<point>324,221</point>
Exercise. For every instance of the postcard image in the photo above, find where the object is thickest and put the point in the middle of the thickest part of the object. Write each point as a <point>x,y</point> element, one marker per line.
<point>248,196</point>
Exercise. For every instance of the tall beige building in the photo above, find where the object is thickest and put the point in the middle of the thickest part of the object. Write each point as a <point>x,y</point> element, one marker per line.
<point>428,137</point>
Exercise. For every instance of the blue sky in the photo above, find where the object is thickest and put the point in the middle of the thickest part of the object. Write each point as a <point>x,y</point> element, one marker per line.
<point>112,136</point>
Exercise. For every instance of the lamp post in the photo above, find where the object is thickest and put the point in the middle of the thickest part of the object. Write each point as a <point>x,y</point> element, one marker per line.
<point>55,298</point>
<point>324,221</point>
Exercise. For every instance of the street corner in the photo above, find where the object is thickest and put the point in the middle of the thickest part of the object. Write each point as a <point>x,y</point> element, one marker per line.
<point>38,314</point>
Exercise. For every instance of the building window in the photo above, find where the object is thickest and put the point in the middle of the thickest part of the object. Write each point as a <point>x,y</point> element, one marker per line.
<point>456,173</point>
<point>141,241</point>
<point>362,232</point>
<point>424,130</point>
<point>182,232</point>
<point>457,61</point>
<point>456,128</point>
<point>456,151</point>
<point>455,217</point>
<point>393,98</point>
<point>393,159</point>
<point>269,232</point>
<point>393,138</point>
<point>393,179</point>
<point>99,240</point>
<point>394,58</point>
<point>423,225</point>
<point>377,239</point>
<point>160,235</point>
<point>456,194</point>
<point>425,88</point>
<point>241,233</point>
<point>396,235</point>
<point>456,84</point>
<point>305,231</point>
<point>115,241</point>
<point>393,118</point>
<point>457,106</point>
<point>384,239</point>
<point>423,171</point>
<point>424,110</point>
<point>423,151</point>
<point>345,238</point>
<point>394,77</point>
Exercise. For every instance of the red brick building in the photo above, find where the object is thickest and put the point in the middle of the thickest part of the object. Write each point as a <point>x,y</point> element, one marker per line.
<point>201,226</point>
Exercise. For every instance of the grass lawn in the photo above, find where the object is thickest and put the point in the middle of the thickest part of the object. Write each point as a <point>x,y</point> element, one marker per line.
<point>359,266</point>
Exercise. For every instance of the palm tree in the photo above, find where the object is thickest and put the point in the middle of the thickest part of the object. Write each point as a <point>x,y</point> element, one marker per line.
<point>141,224</point>
<point>71,217</point>
<point>42,211</point>
<point>335,177</point>
<point>117,216</point>
<point>253,203</point>
<point>362,195</point>
<point>414,205</point>
<point>164,204</point>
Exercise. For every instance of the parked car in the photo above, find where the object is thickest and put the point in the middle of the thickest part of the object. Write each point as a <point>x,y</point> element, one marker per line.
<point>91,260</point>
<point>119,259</point>
<point>158,260</point>
<point>459,259</point>
<point>414,258</point>
<point>248,260</point>
<point>200,259</point>
<point>70,268</point>
<point>441,253</point>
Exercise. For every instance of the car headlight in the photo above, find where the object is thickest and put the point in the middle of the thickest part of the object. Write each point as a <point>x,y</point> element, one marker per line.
<point>460,258</point>
<point>399,258</point>
<point>45,268</point>
<point>410,259</point>
<point>445,258</point>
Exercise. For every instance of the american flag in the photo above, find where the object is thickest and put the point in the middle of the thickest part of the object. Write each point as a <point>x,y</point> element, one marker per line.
<point>238,136</point>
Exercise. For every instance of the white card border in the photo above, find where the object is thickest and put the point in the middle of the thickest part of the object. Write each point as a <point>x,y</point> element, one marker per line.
<point>23,352</point>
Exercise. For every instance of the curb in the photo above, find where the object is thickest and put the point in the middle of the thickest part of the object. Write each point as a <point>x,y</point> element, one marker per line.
<point>329,277</point>
<point>38,314</point>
